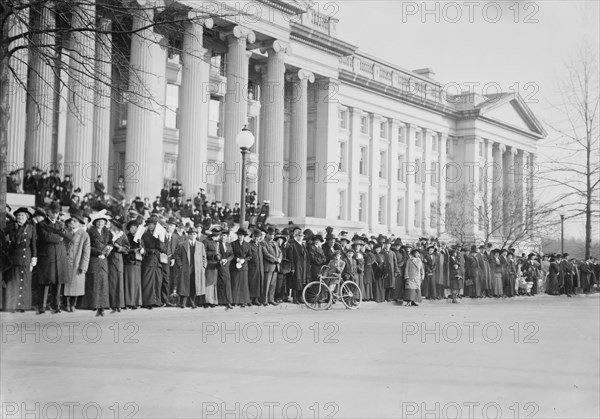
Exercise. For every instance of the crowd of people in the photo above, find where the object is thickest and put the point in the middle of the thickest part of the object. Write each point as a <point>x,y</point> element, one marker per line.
<point>158,254</point>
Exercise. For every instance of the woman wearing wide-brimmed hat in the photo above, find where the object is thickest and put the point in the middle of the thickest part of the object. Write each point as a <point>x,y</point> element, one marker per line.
<point>96,281</point>
<point>151,267</point>
<point>22,253</point>
<point>116,289</point>
<point>132,274</point>
<point>242,254</point>
<point>414,274</point>
<point>78,255</point>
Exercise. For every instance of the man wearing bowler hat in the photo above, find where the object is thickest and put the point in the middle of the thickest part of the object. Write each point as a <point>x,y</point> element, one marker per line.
<point>52,235</point>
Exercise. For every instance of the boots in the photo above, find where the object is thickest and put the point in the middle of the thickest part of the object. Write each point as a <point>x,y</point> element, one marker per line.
<point>454,300</point>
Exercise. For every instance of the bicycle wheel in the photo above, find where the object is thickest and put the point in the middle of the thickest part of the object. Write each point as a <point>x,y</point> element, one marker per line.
<point>317,296</point>
<point>350,295</point>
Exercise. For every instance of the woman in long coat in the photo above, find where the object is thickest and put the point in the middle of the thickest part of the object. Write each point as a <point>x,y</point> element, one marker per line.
<point>256,269</point>
<point>132,274</point>
<point>224,292</point>
<point>496,272</point>
<point>456,275</point>
<point>78,257</point>
<point>379,274</point>
<point>116,289</point>
<point>96,280</point>
<point>211,274</point>
<point>553,272</point>
<point>22,252</point>
<point>151,267</point>
<point>190,268</point>
<point>239,269</point>
<point>414,274</point>
<point>368,274</point>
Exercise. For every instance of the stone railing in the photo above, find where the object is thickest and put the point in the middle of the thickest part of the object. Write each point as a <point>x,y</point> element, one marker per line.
<point>408,82</point>
<point>319,21</point>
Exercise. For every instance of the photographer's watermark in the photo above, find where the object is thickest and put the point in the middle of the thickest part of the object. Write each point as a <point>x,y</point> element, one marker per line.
<point>471,332</point>
<point>71,332</point>
<point>269,410</point>
<point>468,410</point>
<point>67,410</point>
<point>269,332</point>
<point>470,11</point>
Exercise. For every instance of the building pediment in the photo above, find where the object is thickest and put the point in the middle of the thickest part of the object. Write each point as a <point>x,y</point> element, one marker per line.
<point>506,109</point>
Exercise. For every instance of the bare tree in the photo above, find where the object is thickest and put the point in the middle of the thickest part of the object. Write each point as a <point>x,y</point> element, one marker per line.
<point>576,172</point>
<point>525,225</point>
<point>44,32</point>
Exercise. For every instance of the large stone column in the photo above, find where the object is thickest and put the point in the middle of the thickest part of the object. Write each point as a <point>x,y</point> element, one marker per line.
<point>236,110</point>
<point>17,95</point>
<point>194,103</point>
<point>101,134</point>
<point>409,179</point>
<point>374,158</point>
<point>271,155</point>
<point>38,140</point>
<point>488,178</point>
<point>144,157</point>
<point>80,102</point>
<point>299,143</point>
<point>354,170</point>
<point>470,175</point>
<point>392,177</point>
<point>498,188</point>
<point>426,174</point>
<point>509,201</point>
<point>523,185</point>
<point>441,220</point>
<point>531,181</point>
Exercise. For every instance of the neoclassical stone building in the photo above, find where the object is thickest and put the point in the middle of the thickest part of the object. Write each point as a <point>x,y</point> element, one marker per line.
<point>342,138</point>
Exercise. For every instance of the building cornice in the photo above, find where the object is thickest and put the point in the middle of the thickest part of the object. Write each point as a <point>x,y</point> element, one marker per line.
<point>396,93</point>
<point>321,40</point>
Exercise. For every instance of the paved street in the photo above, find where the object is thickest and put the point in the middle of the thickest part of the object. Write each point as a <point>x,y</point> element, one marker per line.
<point>525,357</point>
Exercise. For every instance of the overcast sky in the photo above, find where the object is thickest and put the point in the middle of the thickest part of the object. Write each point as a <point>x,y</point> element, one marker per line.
<point>519,45</point>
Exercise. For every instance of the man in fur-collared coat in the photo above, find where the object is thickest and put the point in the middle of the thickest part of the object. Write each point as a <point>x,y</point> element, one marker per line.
<point>191,261</point>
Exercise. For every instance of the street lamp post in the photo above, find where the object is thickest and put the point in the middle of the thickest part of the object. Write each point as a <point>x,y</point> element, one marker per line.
<point>562,213</point>
<point>244,140</point>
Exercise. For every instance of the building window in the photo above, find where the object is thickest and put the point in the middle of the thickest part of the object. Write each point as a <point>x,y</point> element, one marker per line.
<point>343,118</point>
<point>481,180</point>
<point>382,165</point>
<point>362,164</point>
<point>480,145</point>
<point>342,162</point>
<point>383,126</point>
<point>418,138</point>
<point>433,174</point>
<point>169,167</point>
<point>342,206</point>
<point>433,215</point>
<point>252,128</point>
<point>214,111</point>
<point>364,124</point>
<point>417,214</point>
<point>418,169</point>
<point>401,168</point>
<point>401,135</point>
<point>434,142</point>
<point>361,207</point>
<point>171,107</point>
<point>381,214</point>
<point>448,146</point>
<point>400,212</point>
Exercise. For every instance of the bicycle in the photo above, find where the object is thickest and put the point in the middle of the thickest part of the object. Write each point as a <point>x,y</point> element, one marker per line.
<point>317,295</point>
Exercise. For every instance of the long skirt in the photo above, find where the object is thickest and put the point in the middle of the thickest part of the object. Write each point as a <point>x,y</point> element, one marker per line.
<point>368,283</point>
<point>151,282</point>
<point>412,295</point>
<point>132,284</point>
<point>239,286</point>
<point>378,290</point>
<point>224,286</point>
<point>399,288</point>
<point>17,295</point>
<point>497,284</point>
<point>428,287</point>
<point>509,286</point>
<point>116,291</point>
<point>255,280</point>
<point>96,287</point>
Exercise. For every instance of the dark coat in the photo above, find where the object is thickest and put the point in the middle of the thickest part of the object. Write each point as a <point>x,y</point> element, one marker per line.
<point>52,252</point>
<point>96,280</point>
<point>22,243</point>
<point>298,256</point>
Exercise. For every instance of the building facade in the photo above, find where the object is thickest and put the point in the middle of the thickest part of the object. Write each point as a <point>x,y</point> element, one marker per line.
<point>342,138</point>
